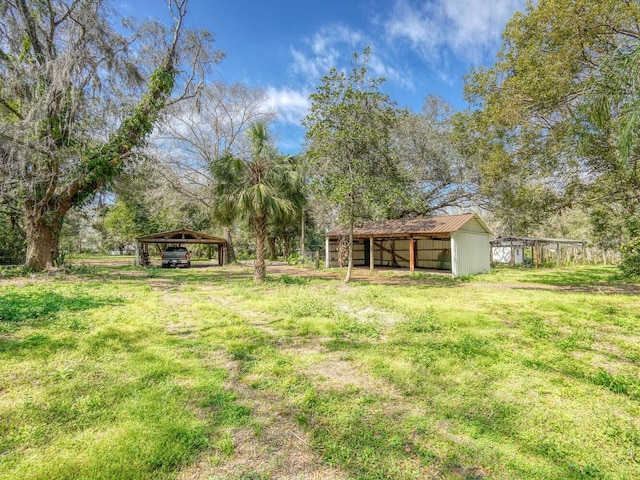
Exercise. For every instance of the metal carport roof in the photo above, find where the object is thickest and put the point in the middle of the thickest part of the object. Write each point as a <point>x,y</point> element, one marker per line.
<point>182,236</point>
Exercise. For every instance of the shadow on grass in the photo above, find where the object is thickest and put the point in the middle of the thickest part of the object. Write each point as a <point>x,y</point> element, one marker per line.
<point>35,308</point>
<point>278,272</point>
<point>577,277</point>
<point>20,306</point>
<point>141,275</point>
<point>607,279</point>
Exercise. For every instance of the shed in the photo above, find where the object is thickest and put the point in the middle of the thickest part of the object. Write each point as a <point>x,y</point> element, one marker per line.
<point>177,237</point>
<point>536,250</point>
<point>458,244</point>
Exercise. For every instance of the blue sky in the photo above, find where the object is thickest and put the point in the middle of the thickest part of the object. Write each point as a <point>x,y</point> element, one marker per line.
<point>285,46</point>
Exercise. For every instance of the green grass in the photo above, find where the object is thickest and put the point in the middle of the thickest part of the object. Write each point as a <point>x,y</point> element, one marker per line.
<point>118,372</point>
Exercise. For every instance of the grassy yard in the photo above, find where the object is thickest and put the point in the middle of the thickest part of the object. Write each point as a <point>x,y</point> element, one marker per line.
<point>114,372</point>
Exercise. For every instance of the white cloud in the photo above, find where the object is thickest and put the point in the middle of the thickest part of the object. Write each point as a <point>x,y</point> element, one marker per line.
<point>325,49</point>
<point>380,68</point>
<point>334,46</point>
<point>290,105</point>
<point>468,29</point>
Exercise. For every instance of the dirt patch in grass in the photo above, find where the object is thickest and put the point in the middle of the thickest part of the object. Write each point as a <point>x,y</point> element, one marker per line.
<point>381,275</point>
<point>275,446</point>
<point>162,284</point>
<point>278,449</point>
<point>329,370</point>
<point>23,281</point>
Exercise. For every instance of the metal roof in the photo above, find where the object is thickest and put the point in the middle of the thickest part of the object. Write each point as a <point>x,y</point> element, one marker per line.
<point>181,236</point>
<point>437,225</point>
<point>531,241</point>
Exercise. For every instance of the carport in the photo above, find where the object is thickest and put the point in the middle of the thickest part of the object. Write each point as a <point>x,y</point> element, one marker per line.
<point>179,238</point>
<point>515,250</point>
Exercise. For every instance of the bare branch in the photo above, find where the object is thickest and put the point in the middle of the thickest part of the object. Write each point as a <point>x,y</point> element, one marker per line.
<point>178,9</point>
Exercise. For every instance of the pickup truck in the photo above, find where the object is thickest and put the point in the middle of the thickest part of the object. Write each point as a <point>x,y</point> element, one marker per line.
<point>175,257</point>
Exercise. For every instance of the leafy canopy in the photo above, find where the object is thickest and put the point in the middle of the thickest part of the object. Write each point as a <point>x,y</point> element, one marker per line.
<point>349,148</point>
<point>533,132</point>
<point>265,185</point>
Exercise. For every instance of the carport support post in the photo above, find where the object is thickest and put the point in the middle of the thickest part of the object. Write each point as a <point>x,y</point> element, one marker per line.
<point>412,254</point>
<point>136,261</point>
<point>371,253</point>
<point>512,258</point>
<point>327,254</point>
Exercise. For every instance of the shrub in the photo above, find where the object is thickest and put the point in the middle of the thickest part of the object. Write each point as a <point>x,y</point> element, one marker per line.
<point>630,264</point>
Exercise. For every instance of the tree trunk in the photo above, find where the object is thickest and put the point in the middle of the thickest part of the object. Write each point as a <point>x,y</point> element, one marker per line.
<point>43,237</point>
<point>302,235</point>
<point>272,248</point>
<point>230,251</point>
<point>260,269</point>
<point>347,277</point>
<point>287,246</point>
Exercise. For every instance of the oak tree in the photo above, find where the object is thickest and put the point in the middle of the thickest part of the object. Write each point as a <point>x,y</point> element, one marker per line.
<point>537,146</point>
<point>78,99</point>
<point>436,174</point>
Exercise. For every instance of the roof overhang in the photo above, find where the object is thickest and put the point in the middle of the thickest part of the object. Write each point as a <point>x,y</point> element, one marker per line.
<point>433,227</point>
<point>533,241</point>
<point>182,236</point>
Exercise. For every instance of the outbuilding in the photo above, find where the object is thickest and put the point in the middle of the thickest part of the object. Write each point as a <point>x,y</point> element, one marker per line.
<point>457,244</point>
<point>180,237</point>
<point>536,250</point>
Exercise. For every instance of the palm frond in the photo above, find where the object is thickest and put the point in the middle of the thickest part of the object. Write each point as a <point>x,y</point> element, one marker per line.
<point>265,187</point>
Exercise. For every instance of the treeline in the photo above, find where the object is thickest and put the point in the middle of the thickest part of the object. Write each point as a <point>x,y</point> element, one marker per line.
<point>93,157</point>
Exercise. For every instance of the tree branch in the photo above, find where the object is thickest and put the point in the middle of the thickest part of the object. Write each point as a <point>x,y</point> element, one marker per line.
<point>31,30</point>
<point>10,109</point>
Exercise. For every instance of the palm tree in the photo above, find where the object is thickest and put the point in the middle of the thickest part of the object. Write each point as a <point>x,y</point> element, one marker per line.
<point>257,188</point>
<point>285,225</point>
